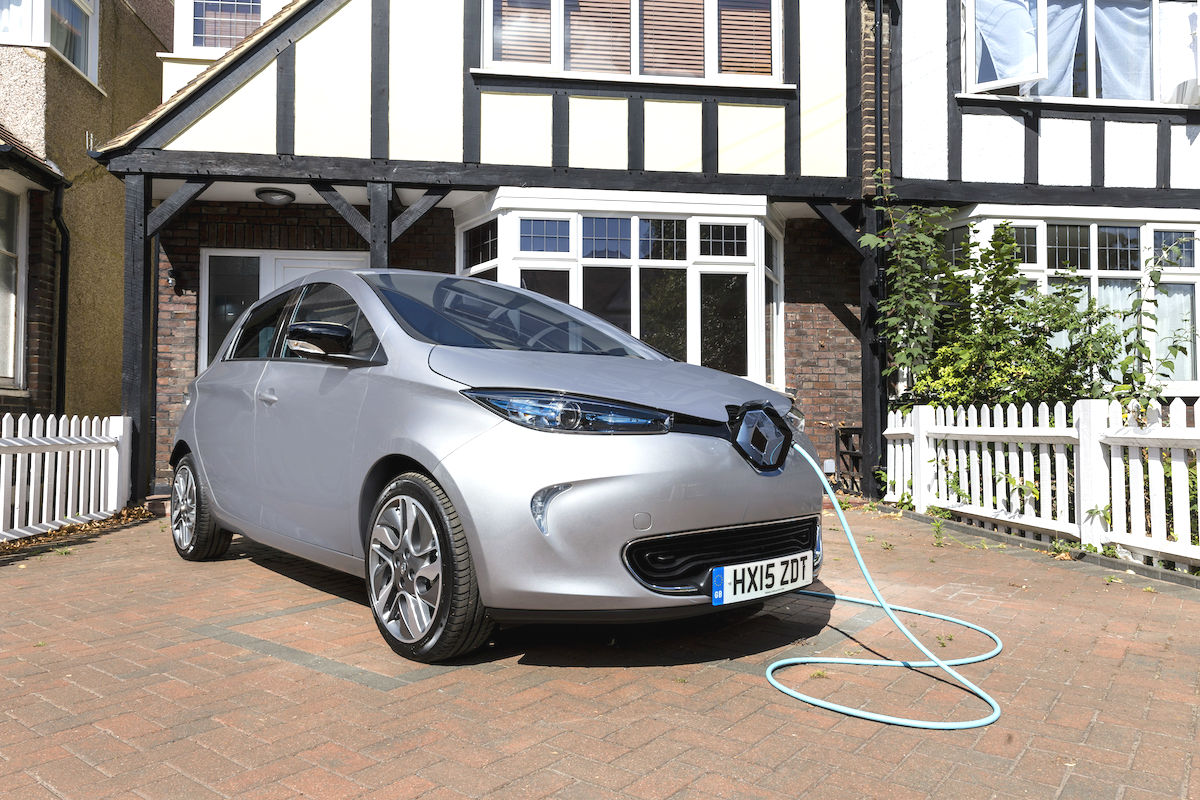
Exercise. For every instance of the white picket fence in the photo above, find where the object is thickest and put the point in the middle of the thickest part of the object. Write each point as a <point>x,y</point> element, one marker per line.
<point>1095,473</point>
<point>58,471</point>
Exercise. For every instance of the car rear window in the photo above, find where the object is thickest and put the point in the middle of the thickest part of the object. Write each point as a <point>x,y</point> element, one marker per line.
<point>463,312</point>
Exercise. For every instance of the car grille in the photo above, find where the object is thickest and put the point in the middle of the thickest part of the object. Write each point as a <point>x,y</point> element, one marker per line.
<point>681,563</point>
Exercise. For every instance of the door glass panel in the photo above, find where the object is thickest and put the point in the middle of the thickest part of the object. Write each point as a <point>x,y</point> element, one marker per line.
<point>769,334</point>
<point>724,334</point>
<point>232,288</point>
<point>606,294</point>
<point>554,283</point>
<point>663,297</point>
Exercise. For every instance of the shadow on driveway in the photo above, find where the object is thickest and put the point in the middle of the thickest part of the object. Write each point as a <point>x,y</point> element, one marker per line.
<point>730,634</point>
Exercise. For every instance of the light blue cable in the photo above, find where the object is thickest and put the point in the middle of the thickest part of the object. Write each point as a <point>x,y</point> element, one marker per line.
<point>879,602</point>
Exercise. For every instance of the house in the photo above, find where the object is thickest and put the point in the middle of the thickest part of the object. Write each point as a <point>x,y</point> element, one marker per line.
<point>71,72</point>
<point>1076,120</point>
<point>691,170</point>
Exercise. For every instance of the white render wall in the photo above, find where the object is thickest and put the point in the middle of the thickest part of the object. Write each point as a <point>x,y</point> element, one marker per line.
<point>924,78</point>
<point>823,88</point>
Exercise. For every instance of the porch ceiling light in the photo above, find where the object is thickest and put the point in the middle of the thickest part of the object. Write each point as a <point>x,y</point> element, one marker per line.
<point>274,196</point>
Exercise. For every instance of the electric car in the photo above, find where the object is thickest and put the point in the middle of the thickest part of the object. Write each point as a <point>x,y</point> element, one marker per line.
<point>485,455</point>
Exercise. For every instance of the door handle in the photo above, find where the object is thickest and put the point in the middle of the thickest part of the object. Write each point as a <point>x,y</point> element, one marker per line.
<point>268,397</point>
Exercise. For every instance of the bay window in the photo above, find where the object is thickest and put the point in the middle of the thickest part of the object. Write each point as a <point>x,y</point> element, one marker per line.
<point>1141,50</point>
<point>702,289</point>
<point>13,216</point>
<point>689,39</point>
<point>1110,260</point>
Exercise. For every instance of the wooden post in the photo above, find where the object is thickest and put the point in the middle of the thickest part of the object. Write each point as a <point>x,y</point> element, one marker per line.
<point>380,195</point>
<point>923,454</point>
<point>874,396</point>
<point>1091,471</point>
<point>137,389</point>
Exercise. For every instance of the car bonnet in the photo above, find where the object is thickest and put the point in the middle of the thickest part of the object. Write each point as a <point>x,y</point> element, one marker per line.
<point>664,385</point>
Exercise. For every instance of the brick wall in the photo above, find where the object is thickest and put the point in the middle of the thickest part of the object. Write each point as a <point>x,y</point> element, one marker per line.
<point>821,346</point>
<point>41,312</point>
<point>427,245</point>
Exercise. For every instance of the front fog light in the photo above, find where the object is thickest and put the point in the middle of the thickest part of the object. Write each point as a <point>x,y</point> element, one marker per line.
<point>541,502</point>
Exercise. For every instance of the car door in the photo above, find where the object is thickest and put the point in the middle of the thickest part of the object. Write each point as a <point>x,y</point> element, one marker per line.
<point>306,425</point>
<point>225,407</point>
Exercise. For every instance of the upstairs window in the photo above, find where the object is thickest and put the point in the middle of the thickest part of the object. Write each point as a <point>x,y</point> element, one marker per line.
<point>1105,49</point>
<point>68,26</point>
<point>667,38</point>
<point>224,23</point>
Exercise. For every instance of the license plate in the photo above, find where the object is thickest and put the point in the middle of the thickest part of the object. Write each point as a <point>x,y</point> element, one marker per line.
<point>761,578</point>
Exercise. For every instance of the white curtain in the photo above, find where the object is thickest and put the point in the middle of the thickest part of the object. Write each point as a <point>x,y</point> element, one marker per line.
<point>1178,59</point>
<point>1064,21</point>
<point>15,19</point>
<point>1006,39</point>
<point>1177,324</point>
<point>1123,48</point>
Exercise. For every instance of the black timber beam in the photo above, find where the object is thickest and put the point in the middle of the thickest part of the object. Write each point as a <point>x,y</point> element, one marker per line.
<point>466,176</point>
<point>844,229</point>
<point>167,210</point>
<point>137,381</point>
<point>417,210</point>
<point>340,204</point>
<point>874,394</point>
<point>957,193</point>
<point>380,198</point>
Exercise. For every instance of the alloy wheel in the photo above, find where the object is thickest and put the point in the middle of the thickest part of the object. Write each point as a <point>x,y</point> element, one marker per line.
<point>183,508</point>
<point>405,569</point>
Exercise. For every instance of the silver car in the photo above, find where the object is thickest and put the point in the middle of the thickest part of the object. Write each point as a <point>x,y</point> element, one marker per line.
<point>484,455</point>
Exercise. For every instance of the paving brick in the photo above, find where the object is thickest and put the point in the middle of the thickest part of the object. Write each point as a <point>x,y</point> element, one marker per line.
<point>143,694</point>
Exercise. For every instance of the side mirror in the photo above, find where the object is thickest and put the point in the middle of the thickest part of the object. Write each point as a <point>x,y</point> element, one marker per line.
<point>320,340</point>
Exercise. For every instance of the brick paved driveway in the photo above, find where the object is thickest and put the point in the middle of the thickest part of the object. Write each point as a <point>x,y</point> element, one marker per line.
<point>126,672</point>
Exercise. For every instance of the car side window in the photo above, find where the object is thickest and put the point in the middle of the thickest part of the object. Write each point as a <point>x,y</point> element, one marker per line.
<point>325,302</point>
<point>256,339</point>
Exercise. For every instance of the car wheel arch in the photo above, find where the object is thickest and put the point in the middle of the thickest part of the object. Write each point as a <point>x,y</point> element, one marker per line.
<point>383,472</point>
<point>180,450</point>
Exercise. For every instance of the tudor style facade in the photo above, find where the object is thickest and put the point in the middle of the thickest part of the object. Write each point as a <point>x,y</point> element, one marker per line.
<point>691,171</point>
<point>1076,120</point>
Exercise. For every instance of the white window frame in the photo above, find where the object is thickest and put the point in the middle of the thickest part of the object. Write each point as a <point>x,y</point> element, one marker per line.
<point>1147,221</point>
<point>712,73</point>
<point>511,260</point>
<point>273,269</point>
<point>11,183</point>
<point>1026,82</point>
<point>37,34</point>
<point>971,53</point>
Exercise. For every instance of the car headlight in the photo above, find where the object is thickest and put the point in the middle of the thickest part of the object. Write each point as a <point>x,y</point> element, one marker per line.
<point>548,411</point>
<point>795,420</point>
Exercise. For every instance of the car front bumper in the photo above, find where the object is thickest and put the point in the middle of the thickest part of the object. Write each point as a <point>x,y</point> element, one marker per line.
<point>622,488</point>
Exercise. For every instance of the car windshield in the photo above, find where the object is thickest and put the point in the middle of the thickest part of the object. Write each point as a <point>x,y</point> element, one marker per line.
<point>467,312</point>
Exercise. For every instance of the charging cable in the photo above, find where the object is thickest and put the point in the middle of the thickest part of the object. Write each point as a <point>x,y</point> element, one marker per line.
<point>946,666</point>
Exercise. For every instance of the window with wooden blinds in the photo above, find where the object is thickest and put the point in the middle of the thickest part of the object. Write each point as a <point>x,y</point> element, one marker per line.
<point>745,36</point>
<point>521,30</point>
<point>673,37</point>
<point>597,35</point>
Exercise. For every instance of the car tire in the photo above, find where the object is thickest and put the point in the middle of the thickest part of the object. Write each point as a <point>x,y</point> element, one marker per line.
<point>193,530</point>
<point>421,582</point>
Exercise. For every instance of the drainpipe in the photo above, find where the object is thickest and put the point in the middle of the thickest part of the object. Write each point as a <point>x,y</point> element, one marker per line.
<point>64,271</point>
